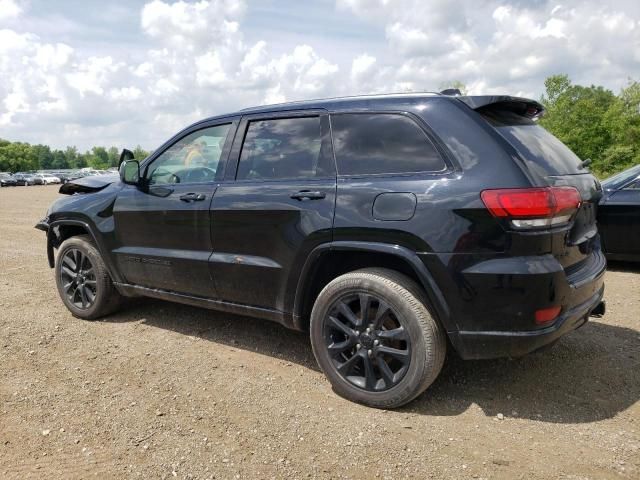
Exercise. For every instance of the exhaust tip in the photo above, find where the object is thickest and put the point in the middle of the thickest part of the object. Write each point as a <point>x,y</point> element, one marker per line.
<point>599,310</point>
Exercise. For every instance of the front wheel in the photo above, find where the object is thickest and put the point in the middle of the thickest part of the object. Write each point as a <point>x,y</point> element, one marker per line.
<point>374,338</point>
<point>83,282</point>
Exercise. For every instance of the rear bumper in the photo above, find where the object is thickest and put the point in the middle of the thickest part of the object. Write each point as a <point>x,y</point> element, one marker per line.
<point>482,345</point>
<point>494,300</point>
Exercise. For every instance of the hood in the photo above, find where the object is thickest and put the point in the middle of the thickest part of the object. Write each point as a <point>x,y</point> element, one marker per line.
<point>94,183</point>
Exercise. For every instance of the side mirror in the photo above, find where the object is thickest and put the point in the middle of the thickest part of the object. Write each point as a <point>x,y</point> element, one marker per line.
<point>130,172</point>
<point>125,155</point>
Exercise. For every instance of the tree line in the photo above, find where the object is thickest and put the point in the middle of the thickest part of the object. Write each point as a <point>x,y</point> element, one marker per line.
<point>23,157</point>
<point>593,121</point>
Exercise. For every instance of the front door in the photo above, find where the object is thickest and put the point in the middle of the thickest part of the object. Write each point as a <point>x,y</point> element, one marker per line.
<point>275,205</point>
<point>163,236</point>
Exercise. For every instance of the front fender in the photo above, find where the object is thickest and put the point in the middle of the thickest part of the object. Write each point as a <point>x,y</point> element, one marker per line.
<point>55,238</point>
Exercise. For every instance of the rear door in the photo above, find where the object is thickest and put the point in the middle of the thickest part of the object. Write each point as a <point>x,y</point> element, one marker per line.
<point>548,161</point>
<point>275,205</point>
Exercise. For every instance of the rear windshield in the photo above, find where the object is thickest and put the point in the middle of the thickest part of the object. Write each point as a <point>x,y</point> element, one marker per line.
<point>541,151</point>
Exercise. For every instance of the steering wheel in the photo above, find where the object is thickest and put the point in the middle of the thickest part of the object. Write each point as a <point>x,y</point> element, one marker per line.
<point>197,174</point>
<point>166,176</point>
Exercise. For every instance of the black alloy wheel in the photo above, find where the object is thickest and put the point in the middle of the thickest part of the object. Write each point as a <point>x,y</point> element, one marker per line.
<point>78,279</point>
<point>375,339</point>
<point>367,343</point>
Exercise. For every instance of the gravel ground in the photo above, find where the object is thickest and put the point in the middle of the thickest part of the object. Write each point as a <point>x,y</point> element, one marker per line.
<point>161,390</point>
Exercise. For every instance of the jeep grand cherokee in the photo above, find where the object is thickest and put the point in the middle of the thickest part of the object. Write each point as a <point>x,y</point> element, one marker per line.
<point>390,227</point>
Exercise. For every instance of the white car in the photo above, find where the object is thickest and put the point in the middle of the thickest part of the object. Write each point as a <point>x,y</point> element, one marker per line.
<point>48,178</point>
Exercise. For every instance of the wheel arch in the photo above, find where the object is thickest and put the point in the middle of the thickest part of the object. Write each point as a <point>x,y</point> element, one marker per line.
<point>330,260</point>
<point>61,230</point>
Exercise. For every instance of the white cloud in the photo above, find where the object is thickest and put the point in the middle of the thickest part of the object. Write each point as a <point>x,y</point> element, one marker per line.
<point>502,47</point>
<point>9,9</point>
<point>194,59</point>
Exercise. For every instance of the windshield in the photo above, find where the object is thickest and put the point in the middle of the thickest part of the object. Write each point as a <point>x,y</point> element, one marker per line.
<point>621,178</point>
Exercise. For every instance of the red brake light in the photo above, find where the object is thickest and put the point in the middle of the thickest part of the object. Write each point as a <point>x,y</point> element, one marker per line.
<point>545,315</point>
<point>533,207</point>
<point>567,198</point>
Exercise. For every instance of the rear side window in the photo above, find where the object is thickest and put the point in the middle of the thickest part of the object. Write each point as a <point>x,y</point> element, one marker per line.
<point>541,151</point>
<point>281,148</point>
<point>382,143</point>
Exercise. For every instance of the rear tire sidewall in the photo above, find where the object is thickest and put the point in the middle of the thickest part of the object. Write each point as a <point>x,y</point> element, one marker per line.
<point>413,383</point>
<point>104,287</point>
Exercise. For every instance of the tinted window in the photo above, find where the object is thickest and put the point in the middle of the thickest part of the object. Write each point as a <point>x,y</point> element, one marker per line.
<point>382,143</point>
<point>281,148</point>
<point>541,151</point>
<point>194,158</point>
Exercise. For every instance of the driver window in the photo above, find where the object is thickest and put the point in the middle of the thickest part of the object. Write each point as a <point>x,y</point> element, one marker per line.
<point>194,158</point>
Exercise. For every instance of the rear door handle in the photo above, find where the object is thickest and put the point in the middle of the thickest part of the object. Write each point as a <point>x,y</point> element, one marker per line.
<point>308,195</point>
<point>192,197</point>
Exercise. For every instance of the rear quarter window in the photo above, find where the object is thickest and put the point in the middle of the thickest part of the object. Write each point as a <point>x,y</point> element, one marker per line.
<point>382,143</point>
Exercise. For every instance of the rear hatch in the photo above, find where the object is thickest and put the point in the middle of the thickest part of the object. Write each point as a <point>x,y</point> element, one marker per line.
<point>549,162</point>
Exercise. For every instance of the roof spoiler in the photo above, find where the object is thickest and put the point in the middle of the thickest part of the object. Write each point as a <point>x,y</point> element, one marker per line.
<point>522,106</point>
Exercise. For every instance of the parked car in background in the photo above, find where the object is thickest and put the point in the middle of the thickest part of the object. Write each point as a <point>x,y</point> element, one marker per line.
<point>24,179</point>
<point>391,227</point>
<point>38,179</point>
<point>49,178</point>
<point>64,177</point>
<point>619,215</point>
<point>7,180</point>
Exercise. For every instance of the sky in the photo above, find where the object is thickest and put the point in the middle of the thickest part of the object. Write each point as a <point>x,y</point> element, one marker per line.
<point>127,73</point>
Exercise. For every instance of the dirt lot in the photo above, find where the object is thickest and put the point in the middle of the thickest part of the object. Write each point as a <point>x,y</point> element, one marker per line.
<point>162,391</point>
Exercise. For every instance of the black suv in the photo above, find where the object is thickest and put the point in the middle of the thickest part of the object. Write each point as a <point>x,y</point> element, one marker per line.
<point>390,227</point>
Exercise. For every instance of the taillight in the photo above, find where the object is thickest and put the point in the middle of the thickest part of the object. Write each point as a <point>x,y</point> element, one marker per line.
<point>546,315</point>
<point>533,207</point>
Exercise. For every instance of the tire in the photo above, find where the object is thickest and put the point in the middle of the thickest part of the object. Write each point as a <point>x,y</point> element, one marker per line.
<point>408,330</point>
<point>95,280</point>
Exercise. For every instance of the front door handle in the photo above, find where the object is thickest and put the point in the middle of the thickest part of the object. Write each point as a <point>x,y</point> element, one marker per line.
<point>308,195</point>
<point>192,197</point>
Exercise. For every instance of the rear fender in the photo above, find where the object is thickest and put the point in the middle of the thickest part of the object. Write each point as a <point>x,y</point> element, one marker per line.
<point>437,303</point>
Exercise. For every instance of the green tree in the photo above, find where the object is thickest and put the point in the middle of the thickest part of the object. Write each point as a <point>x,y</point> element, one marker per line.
<point>624,116</point>
<point>98,158</point>
<point>59,160</point>
<point>139,153</point>
<point>594,122</point>
<point>71,157</point>
<point>45,156</point>
<point>577,116</point>
<point>114,156</point>
<point>18,156</point>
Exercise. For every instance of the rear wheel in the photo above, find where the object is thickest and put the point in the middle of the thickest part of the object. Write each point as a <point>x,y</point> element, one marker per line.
<point>82,279</point>
<point>375,339</point>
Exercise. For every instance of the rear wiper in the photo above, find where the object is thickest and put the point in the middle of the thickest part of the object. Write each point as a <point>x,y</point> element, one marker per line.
<point>585,163</point>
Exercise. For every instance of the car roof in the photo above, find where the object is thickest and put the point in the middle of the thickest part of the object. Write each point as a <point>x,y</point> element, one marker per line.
<point>338,103</point>
<point>387,101</point>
